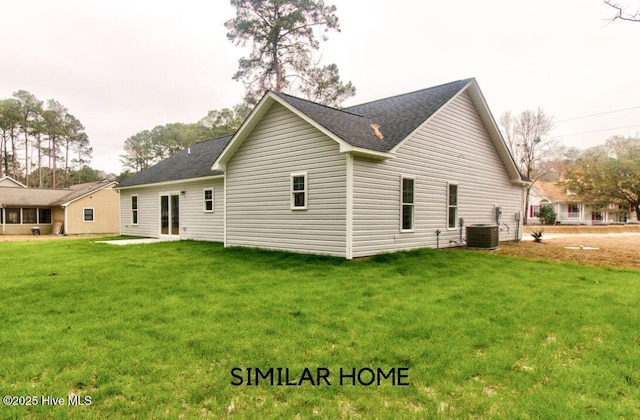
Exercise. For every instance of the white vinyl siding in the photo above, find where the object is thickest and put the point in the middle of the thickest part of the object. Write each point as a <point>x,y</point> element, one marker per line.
<point>194,222</point>
<point>452,147</point>
<point>259,188</point>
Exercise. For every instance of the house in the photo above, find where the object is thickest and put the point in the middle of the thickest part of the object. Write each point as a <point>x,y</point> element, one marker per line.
<point>399,173</point>
<point>570,209</point>
<point>8,182</point>
<point>180,197</point>
<point>91,207</point>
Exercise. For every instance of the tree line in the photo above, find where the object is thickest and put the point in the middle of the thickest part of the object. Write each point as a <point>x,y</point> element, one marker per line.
<point>148,147</point>
<point>42,144</point>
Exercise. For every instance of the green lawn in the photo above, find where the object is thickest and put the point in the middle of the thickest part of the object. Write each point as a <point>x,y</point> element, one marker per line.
<point>155,331</point>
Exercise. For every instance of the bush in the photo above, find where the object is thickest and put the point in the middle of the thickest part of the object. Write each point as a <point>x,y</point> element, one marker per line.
<point>547,215</point>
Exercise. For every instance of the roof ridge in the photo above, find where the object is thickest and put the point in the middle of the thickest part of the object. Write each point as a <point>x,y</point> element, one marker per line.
<point>211,139</point>
<point>318,103</point>
<point>412,92</point>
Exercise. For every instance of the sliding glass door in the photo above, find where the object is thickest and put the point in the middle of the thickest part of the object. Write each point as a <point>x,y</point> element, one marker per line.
<point>170,215</point>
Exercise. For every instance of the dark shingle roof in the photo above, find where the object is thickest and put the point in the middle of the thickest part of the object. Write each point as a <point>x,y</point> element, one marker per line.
<point>352,128</point>
<point>193,162</point>
<point>397,116</point>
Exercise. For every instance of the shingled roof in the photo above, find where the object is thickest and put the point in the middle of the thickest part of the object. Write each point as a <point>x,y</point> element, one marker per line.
<point>554,192</point>
<point>192,162</point>
<point>393,118</point>
<point>375,128</point>
<point>36,197</point>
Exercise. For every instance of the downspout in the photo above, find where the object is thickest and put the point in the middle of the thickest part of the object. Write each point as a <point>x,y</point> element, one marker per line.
<point>64,226</point>
<point>224,209</point>
<point>4,232</point>
<point>349,208</point>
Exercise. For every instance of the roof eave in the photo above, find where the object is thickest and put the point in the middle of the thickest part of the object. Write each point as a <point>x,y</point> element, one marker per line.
<point>172,182</point>
<point>360,151</point>
<point>521,182</point>
<point>494,132</point>
<point>243,132</point>
<point>88,193</point>
<point>18,183</point>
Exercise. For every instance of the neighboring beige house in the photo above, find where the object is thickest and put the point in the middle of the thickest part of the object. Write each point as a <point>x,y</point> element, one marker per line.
<point>409,171</point>
<point>92,207</point>
<point>8,182</point>
<point>570,209</point>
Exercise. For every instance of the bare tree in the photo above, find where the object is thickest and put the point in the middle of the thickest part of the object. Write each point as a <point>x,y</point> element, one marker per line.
<point>624,12</point>
<point>527,137</point>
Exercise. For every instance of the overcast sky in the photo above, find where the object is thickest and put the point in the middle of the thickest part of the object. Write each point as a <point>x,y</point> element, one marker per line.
<point>125,66</point>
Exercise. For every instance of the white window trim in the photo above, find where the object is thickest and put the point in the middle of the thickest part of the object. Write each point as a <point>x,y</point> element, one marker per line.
<point>136,210</point>
<point>305,191</point>
<point>93,215</point>
<point>413,205</point>
<point>213,200</point>
<point>456,223</point>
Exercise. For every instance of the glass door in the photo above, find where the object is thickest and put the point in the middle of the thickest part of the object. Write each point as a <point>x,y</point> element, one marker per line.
<point>170,215</point>
<point>175,215</point>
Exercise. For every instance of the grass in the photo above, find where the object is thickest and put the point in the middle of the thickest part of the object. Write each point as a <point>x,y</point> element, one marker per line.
<point>153,331</point>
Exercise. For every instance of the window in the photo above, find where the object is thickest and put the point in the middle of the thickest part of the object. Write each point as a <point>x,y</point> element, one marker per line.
<point>13,216</point>
<point>29,216</point>
<point>208,200</point>
<point>134,209</point>
<point>87,214</point>
<point>408,186</point>
<point>44,216</point>
<point>299,191</point>
<point>534,210</point>
<point>452,204</point>
<point>573,211</point>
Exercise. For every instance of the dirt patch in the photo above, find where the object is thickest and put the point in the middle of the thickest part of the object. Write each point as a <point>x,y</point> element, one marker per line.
<point>575,229</point>
<point>613,250</point>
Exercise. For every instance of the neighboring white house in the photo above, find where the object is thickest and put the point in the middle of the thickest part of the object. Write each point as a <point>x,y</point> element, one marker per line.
<point>570,209</point>
<point>394,174</point>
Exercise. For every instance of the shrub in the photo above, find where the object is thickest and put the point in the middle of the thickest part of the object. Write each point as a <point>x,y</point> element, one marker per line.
<point>537,235</point>
<point>547,215</point>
